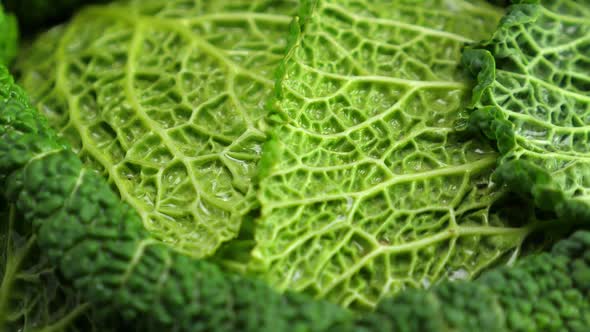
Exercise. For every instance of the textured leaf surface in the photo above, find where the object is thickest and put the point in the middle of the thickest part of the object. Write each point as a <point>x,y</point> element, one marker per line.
<point>31,299</point>
<point>100,245</point>
<point>367,188</point>
<point>533,97</point>
<point>164,97</point>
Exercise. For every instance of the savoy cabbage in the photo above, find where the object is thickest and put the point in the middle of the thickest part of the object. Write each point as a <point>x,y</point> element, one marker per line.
<point>32,298</point>
<point>366,186</point>
<point>533,98</point>
<point>343,161</point>
<point>100,245</point>
<point>165,98</point>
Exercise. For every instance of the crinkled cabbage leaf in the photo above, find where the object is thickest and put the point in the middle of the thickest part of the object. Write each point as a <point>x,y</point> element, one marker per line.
<point>165,98</point>
<point>533,98</point>
<point>31,297</point>
<point>366,186</point>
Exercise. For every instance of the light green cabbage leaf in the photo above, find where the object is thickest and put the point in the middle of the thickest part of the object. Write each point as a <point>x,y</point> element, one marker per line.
<point>366,187</point>
<point>533,98</point>
<point>165,98</point>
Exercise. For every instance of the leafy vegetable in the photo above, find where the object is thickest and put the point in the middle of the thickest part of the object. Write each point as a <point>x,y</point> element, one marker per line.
<point>367,185</point>
<point>100,244</point>
<point>546,292</point>
<point>31,298</point>
<point>165,98</point>
<point>533,97</point>
<point>367,188</point>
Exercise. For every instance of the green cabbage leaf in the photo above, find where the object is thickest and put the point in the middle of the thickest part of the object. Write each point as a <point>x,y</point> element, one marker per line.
<point>32,298</point>
<point>533,98</point>
<point>165,98</point>
<point>366,186</point>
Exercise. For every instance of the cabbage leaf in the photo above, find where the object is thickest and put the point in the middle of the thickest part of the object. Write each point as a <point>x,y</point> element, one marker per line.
<point>366,186</point>
<point>165,98</point>
<point>533,98</point>
<point>31,296</point>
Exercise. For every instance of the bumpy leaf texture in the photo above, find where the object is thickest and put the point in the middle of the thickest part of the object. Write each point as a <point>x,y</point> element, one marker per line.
<point>100,245</point>
<point>165,98</point>
<point>533,97</point>
<point>366,186</point>
<point>31,297</point>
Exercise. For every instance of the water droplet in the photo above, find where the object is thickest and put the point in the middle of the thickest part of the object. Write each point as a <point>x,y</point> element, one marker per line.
<point>460,274</point>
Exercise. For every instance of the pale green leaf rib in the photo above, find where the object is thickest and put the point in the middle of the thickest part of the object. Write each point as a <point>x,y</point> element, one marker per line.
<point>165,98</point>
<point>367,188</point>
